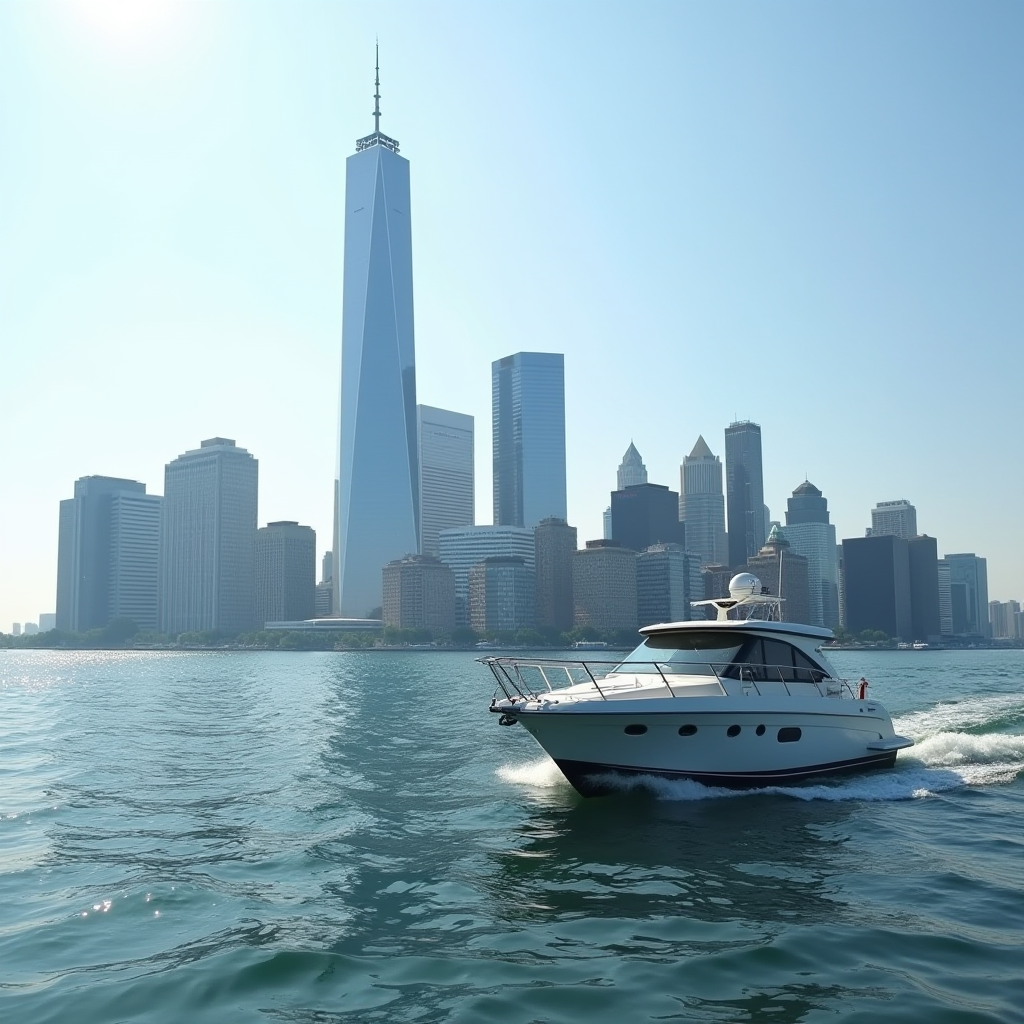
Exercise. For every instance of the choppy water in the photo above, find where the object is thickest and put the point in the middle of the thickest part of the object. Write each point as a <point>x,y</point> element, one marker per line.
<point>349,837</point>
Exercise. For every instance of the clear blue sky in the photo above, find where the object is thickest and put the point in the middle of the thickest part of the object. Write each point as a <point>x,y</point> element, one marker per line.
<point>806,214</point>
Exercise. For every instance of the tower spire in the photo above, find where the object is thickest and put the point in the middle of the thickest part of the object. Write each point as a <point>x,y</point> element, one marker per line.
<point>376,94</point>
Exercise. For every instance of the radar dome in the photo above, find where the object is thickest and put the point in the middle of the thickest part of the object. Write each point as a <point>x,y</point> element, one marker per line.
<point>744,584</point>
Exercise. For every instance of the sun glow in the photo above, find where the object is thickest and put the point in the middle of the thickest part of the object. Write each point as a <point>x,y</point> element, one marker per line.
<point>132,28</point>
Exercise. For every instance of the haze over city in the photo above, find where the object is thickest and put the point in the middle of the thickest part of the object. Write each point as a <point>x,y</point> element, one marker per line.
<point>809,217</point>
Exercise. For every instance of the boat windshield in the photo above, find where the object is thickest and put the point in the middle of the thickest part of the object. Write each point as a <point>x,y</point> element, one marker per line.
<point>693,652</point>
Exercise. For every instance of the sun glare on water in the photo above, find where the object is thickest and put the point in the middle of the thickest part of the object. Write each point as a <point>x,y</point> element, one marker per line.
<point>130,28</point>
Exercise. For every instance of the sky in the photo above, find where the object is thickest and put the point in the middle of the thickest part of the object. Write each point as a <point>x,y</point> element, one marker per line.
<point>808,215</point>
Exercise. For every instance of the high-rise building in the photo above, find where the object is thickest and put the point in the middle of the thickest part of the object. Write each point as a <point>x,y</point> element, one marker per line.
<point>604,586</point>
<point>945,598</point>
<point>668,579</point>
<point>876,575</point>
<point>462,548</point>
<point>16,629</point>
<point>327,567</point>
<point>925,617</point>
<point>285,573</point>
<point>446,473</point>
<point>47,621</point>
<point>971,573</point>
<point>419,593</point>
<point>107,554</point>
<point>784,573</point>
<point>646,514</point>
<point>528,437</point>
<point>31,628</point>
<point>702,504</point>
<point>1003,616</point>
<point>554,544</point>
<point>501,592</point>
<point>376,492</point>
<point>744,491</point>
<point>810,534</point>
<point>208,540</point>
<point>894,518</point>
<point>632,470</point>
<point>606,523</point>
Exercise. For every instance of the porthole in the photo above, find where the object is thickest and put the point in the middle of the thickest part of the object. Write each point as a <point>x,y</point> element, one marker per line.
<point>759,730</point>
<point>687,730</point>
<point>733,730</point>
<point>790,734</point>
<point>635,730</point>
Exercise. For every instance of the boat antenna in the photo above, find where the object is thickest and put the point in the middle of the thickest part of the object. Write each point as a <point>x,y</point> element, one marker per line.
<point>376,94</point>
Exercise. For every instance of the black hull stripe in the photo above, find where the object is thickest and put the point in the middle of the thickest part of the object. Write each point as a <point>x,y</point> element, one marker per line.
<point>585,775</point>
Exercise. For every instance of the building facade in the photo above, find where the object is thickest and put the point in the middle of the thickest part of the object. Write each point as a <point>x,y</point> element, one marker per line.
<point>925,606</point>
<point>945,598</point>
<point>285,573</point>
<point>604,586</point>
<point>554,545</point>
<point>702,504</point>
<point>208,540</point>
<point>1004,617</point>
<point>646,514</point>
<point>632,470</point>
<point>969,572</point>
<point>876,574</point>
<point>528,438</point>
<point>894,518</point>
<point>668,579</point>
<point>377,502</point>
<point>108,555</point>
<point>810,534</point>
<point>446,473</point>
<point>419,593</point>
<point>747,521</point>
<point>462,548</point>
<point>785,574</point>
<point>501,594</point>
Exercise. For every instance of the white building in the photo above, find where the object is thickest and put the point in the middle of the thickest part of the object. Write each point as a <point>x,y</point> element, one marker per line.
<point>810,534</point>
<point>446,473</point>
<point>702,504</point>
<point>632,472</point>
<point>894,518</point>
<point>464,547</point>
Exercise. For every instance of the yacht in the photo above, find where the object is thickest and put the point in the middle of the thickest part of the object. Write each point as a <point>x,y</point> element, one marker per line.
<point>737,701</point>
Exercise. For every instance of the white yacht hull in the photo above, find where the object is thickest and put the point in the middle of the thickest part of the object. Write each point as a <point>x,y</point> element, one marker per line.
<point>731,747</point>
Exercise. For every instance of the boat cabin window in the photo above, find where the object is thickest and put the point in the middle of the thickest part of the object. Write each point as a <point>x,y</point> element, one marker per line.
<point>767,659</point>
<point>693,652</point>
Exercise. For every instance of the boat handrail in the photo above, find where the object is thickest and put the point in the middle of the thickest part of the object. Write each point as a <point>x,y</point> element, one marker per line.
<point>508,671</point>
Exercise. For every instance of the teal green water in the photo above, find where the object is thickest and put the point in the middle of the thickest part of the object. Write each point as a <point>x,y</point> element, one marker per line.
<point>350,837</point>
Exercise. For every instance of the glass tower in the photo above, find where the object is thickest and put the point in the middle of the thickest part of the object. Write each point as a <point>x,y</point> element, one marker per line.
<point>702,504</point>
<point>744,491</point>
<point>376,489</point>
<point>812,535</point>
<point>528,425</point>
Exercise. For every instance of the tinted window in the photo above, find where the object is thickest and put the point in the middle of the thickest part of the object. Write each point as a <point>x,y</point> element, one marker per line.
<point>692,653</point>
<point>790,734</point>
<point>635,730</point>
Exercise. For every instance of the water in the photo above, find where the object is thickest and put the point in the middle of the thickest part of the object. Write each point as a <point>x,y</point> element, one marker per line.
<point>350,837</point>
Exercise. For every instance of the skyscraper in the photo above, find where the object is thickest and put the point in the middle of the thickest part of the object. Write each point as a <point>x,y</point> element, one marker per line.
<point>810,534</point>
<point>208,540</point>
<point>528,429</point>
<point>646,514</point>
<point>744,491</point>
<point>501,593</point>
<point>668,579</point>
<point>419,593</point>
<point>894,518</point>
<point>604,586</point>
<point>554,544</point>
<point>876,578</point>
<point>783,572</point>
<point>376,490</point>
<point>632,470</point>
<point>702,504</point>
<point>107,554</point>
<point>446,472</point>
<point>969,572</point>
<point>285,572</point>
<point>925,603</point>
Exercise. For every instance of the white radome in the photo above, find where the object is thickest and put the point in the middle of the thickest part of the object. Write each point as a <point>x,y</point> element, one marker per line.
<point>744,584</point>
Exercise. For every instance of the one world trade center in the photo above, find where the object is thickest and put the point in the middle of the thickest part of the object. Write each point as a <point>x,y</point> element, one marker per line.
<point>376,505</point>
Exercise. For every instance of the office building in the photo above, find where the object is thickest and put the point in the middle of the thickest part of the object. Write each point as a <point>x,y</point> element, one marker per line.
<point>528,438</point>
<point>47,621</point>
<point>646,514</point>
<point>783,573</point>
<point>925,616</point>
<point>554,544</point>
<point>876,573</point>
<point>702,504</point>
<point>327,567</point>
<point>945,598</point>
<point>208,540</point>
<point>810,534</point>
<point>419,593</point>
<point>285,573</point>
<point>376,492</point>
<point>16,629</point>
<point>604,586</point>
<point>108,554</point>
<point>462,548</point>
<point>747,519</point>
<point>968,577</point>
<point>606,523</point>
<point>894,518</point>
<point>501,593</point>
<point>632,470</point>
<point>1003,616</point>
<point>668,579</point>
<point>446,473</point>
<point>31,628</point>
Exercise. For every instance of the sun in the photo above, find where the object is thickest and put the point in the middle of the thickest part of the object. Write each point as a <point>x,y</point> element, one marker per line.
<point>130,27</point>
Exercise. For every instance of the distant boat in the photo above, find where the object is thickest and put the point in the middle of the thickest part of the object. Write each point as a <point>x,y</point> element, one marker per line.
<point>590,645</point>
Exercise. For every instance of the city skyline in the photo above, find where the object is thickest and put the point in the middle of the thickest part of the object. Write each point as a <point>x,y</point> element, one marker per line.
<point>237,268</point>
